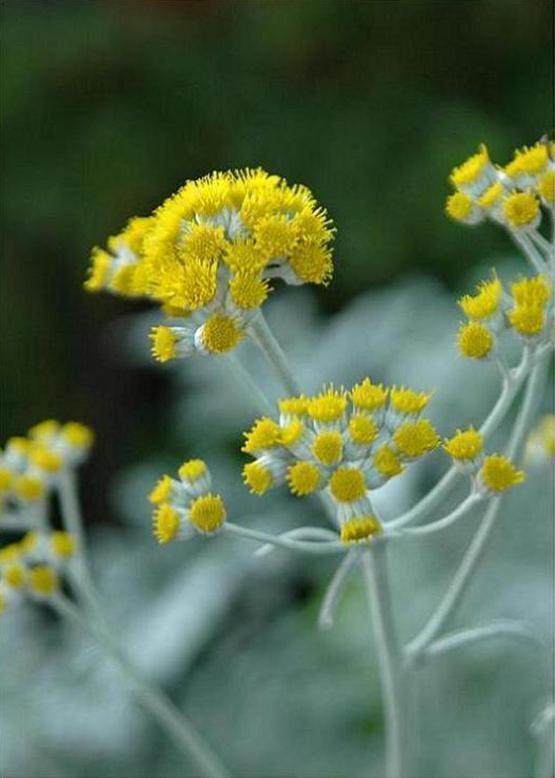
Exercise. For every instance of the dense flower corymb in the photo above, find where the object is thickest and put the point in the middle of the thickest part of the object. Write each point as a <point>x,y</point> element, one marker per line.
<point>209,253</point>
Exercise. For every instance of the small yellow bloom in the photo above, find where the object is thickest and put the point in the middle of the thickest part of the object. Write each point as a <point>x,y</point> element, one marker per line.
<point>528,161</point>
<point>63,544</point>
<point>293,406</point>
<point>546,187</point>
<point>328,447</point>
<point>407,401</point>
<point>303,478</point>
<point>43,580</point>
<point>527,320</point>
<point>499,474</point>
<point>465,445</point>
<point>264,433</point>
<point>15,575</point>
<point>166,523</point>
<point>485,302</point>
<point>292,433</point>
<point>312,264</point>
<point>164,343</point>
<point>534,291</point>
<point>6,479</point>
<point>193,469</point>
<point>521,209</point>
<point>45,429</point>
<point>220,334</point>
<point>414,439</point>
<point>347,484</point>
<point>492,196</point>
<point>207,513</point>
<point>475,340</point>
<point>328,406</point>
<point>257,477</point>
<point>461,208</point>
<point>387,463</point>
<point>161,491</point>
<point>77,435</point>
<point>471,169</point>
<point>368,396</point>
<point>45,459</point>
<point>363,429</point>
<point>360,529</point>
<point>248,291</point>
<point>29,488</point>
<point>10,553</point>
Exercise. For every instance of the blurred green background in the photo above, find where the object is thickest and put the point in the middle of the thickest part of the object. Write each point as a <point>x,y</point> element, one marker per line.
<point>107,107</point>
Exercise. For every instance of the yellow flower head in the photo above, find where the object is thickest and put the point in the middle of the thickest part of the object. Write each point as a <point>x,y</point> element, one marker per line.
<point>192,470</point>
<point>472,171</point>
<point>499,474</point>
<point>166,523</point>
<point>485,302</point>
<point>414,439</point>
<point>363,429</point>
<point>527,320</point>
<point>491,197</point>
<point>328,406</point>
<point>475,340</point>
<point>328,447</point>
<point>408,402</point>
<point>221,334</point>
<point>43,580</point>
<point>207,513</point>
<point>161,491</point>
<point>6,479</point>
<point>292,433</point>
<point>264,433</point>
<point>164,343</point>
<point>15,575</point>
<point>387,463</point>
<point>45,459</point>
<point>63,544</point>
<point>303,478</point>
<point>257,477</point>
<point>521,210</point>
<point>368,396</point>
<point>360,529</point>
<point>77,435</point>
<point>461,208</point>
<point>29,488</point>
<point>347,484</point>
<point>293,406</point>
<point>465,445</point>
<point>120,268</point>
<point>533,291</point>
<point>528,162</point>
<point>47,429</point>
<point>546,187</point>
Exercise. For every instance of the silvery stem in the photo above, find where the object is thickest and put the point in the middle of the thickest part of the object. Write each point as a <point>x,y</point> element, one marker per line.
<point>265,340</point>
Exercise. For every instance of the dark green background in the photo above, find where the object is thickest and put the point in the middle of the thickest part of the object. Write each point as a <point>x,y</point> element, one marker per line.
<point>107,107</point>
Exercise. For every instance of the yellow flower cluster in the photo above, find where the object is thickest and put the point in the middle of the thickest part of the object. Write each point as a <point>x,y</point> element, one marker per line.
<point>510,195</point>
<point>29,465</point>
<point>186,506</point>
<point>494,473</point>
<point>344,442</point>
<point>32,567</point>
<point>208,253</point>
<point>528,310</point>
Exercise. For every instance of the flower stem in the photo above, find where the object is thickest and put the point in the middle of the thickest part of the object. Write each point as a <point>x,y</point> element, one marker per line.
<point>463,575</point>
<point>374,568</point>
<point>153,699</point>
<point>265,340</point>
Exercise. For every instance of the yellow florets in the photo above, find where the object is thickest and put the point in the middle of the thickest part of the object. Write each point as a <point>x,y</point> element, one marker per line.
<point>528,160</point>
<point>293,406</point>
<point>45,459</point>
<point>485,302</point>
<point>10,553</point>
<point>533,291</point>
<point>546,187</point>
<point>62,543</point>
<point>29,488</point>
<point>328,447</point>
<point>220,334</point>
<point>387,463</point>
<point>6,479</point>
<point>193,469</point>
<point>407,401</point>
<point>43,580</point>
<point>465,445</point>
<point>521,209</point>
<point>161,491</point>
<point>459,206</point>
<point>164,343</point>
<point>475,340</point>
<point>527,320</point>
<point>257,477</point>
<point>471,170</point>
<point>207,513</point>
<point>499,474</point>
<point>264,433</point>
<point>363,429</point>
<point>414,439</point>
<point>360,529</point>
<point>368,396</point>
<point>166,523</point>
<point>77,435</point>
<point>292,433</point>
<point>491,196</point>
<point>328,406</point>
<point>347,484</point>
<point>303,478</point>
<point>45,429</point>
<point>248,291</point>
<point>15,575</point>
<point>312,264</point>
